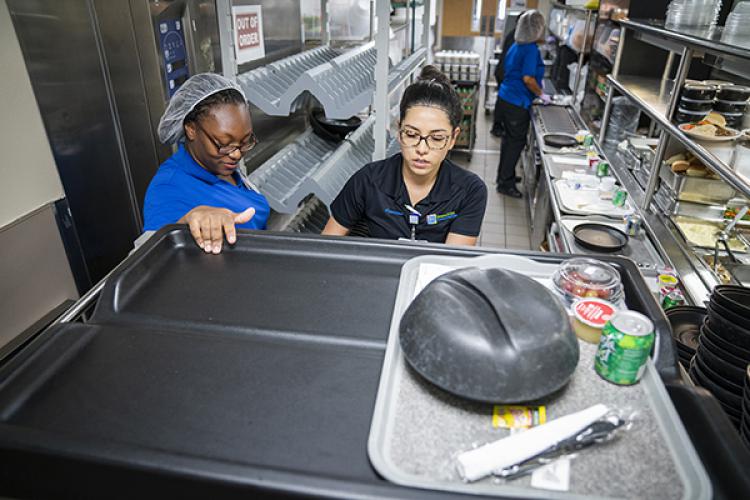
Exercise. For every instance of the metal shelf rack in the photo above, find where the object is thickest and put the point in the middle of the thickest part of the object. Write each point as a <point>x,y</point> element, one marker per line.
<point>312,165</point>
<point>343,83</point>
<point>649,95</point>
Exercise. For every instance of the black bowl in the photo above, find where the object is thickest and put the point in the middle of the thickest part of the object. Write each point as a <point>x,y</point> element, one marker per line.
<point>716,377</point>
<point>720,342</point>
<point>733,93</point>
<point>718,303</point>
<point>733,297</point>
<point>730,106</point>
<point>686,322</point>
<point>726,355</point>
<point>699,91</point>
<point>729,373</point>
<point>724,327</point>
<point>728,400</point>
<point>330,129</point>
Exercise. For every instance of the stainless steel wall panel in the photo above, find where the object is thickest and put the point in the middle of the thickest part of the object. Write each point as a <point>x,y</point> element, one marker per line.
<point>61,50</point>
<point>36,276</point>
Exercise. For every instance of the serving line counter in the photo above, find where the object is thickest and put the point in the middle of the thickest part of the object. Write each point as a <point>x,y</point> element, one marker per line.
<point>659,244</point>
<point>251,372</point>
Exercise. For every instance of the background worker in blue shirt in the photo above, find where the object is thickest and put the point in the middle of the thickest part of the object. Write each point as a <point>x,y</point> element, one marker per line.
<point>416,194</point>
<point>522,82</point>
<point>201,184</point>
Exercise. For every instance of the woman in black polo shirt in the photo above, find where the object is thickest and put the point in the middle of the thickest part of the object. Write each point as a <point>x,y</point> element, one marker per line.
<point>417,194</point>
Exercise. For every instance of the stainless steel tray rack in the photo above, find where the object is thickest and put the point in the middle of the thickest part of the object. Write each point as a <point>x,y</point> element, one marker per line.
<point>312,165</point>
<point>269,87</point>
<point>343,83</point>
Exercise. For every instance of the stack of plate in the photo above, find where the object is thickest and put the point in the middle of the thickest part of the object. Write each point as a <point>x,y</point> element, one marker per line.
<point>723,352</point>
<point>692,13</point>
<point>686,322</point>
<point>745,425</point>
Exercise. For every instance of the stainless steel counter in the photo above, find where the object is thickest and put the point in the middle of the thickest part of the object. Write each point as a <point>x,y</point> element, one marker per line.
<point>661,243</point>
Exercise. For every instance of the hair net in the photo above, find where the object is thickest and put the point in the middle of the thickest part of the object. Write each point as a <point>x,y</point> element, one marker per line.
<point>187,97</point>
<point>530,27</point>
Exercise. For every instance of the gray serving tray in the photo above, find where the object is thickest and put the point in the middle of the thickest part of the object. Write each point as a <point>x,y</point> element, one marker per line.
<point>417,429</point>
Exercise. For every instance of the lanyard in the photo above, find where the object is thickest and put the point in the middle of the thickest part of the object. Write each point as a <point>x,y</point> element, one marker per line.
<point>414,216</point>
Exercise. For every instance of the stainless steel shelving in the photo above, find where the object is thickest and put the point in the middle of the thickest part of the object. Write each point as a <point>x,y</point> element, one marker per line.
<point>652,96</point>
<point>699,39</point>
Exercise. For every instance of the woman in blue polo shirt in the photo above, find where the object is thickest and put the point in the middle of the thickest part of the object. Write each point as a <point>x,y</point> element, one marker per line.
<point>522,82</point>
<point>416,194</point>
<point>200,184</point>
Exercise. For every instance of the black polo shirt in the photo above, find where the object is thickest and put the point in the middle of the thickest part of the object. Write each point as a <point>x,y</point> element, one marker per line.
<point>377,196</point>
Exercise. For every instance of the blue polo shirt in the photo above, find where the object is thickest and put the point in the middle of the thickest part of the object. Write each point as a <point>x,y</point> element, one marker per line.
<point>522,60</point>
<point>377,197</point>
<point>181,184</point>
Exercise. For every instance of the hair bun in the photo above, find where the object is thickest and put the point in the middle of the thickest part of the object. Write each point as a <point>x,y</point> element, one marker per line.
<point>430,72</point>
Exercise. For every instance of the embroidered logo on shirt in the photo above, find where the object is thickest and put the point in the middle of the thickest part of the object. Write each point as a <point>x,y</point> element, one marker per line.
<point>446,216</point>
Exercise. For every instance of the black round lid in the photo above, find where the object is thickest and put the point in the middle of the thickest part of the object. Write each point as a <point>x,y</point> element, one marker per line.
<point>560,140</point>
<point>490,335</point>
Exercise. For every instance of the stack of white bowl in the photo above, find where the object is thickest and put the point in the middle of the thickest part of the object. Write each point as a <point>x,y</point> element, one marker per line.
<point>692,13</point>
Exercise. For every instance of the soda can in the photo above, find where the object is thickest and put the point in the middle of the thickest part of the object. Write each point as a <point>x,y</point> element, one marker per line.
<point>673,298</point>
<point>624,346</point>
<point>602,169</point>
<point>633,223</point>
<point>620,197</point>
<point>588,141</point>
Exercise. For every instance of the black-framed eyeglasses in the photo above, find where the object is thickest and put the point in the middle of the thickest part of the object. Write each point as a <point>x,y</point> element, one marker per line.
<point>411,139</point>
<point>229,149</point>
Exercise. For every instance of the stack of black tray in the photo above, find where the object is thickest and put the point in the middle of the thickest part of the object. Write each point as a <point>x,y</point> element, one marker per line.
<point>745,425</point>
<point>249,373</point>
<point>724,348</point>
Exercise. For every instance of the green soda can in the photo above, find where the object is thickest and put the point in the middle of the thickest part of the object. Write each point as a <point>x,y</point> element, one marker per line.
<point>672,298</point>
<point>620,197</point>
<point>602,169</point>
<point>624,347</point>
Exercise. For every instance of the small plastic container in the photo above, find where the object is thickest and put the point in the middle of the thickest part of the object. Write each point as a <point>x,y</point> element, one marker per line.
<point>734,120</point>
<point>734,93</point>
<point>699,91</point>
<point>582,277</point>
<point>589,317</point>
<point>730,106</point>
<point>695,105</point>
<point>684,116</point>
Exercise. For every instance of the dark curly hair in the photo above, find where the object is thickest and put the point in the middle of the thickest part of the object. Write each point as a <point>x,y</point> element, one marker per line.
<point>227,96</point>
<point>433,89</point>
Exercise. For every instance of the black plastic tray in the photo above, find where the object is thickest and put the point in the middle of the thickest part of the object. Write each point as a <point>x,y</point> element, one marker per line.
<point>256,369</point>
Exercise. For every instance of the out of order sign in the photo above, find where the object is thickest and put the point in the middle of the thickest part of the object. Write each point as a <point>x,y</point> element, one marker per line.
<point>248,33</point>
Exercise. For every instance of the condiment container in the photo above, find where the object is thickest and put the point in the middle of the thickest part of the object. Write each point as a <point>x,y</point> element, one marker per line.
<point>589,317</point>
